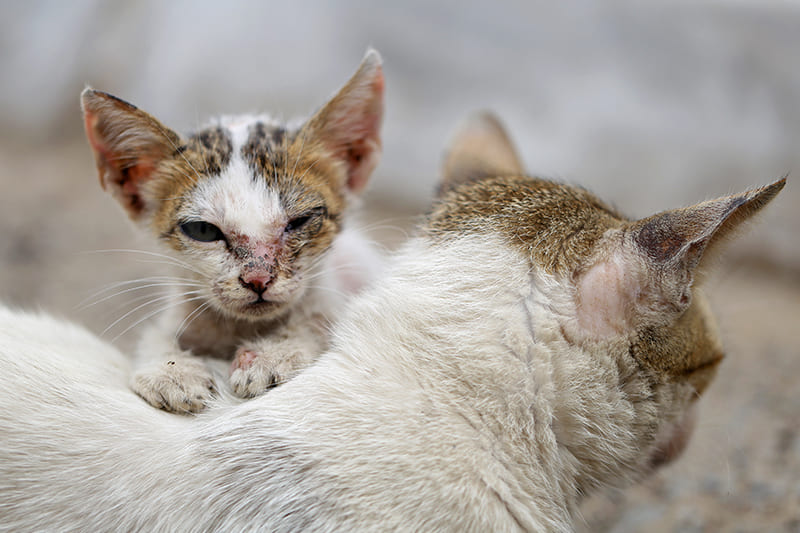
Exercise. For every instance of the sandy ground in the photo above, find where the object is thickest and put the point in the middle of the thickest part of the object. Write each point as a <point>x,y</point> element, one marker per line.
<point>741,471</point>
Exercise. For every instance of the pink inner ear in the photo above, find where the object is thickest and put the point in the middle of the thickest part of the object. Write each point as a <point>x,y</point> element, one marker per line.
<point>125,181</point>
<point>355,128</point>
<point>605,299</point>
<point>130,183</point>
<point>361,158</point>
<point>103,155</point>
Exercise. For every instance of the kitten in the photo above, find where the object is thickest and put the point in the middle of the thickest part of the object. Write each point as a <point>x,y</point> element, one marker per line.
<point>529,346</point>
<point>254,210</point>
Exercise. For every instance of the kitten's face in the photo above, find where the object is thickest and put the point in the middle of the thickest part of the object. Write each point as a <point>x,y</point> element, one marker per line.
<point>257,219</point>
<point>249,205</point>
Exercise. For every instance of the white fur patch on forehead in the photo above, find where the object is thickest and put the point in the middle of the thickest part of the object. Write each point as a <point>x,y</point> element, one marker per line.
<point>237,202</point>
<point>238,127</point>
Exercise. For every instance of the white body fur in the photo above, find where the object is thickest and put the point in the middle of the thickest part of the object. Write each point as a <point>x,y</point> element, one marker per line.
<point>450,401</point>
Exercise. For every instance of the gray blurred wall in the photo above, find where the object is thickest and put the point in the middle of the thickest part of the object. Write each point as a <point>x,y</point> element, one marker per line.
<point>650,104</point>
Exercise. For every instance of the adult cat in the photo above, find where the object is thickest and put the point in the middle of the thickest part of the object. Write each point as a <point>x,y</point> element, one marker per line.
<point>527,347</point>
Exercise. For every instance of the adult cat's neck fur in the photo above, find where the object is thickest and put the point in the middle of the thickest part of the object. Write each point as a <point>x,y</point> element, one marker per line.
<point>532,396</point>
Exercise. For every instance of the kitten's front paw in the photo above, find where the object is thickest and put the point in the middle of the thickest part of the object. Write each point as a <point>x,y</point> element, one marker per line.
<point>257,368</point>
<point>180,385</point>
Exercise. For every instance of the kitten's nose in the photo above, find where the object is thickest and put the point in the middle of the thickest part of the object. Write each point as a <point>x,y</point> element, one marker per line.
<point>256,282</point>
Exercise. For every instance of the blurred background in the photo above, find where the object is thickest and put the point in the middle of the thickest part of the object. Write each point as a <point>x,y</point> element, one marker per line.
<point>651,105</point>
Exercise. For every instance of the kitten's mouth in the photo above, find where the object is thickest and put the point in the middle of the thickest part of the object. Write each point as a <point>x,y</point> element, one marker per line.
<point>259,308</point>
<point>260,305</point>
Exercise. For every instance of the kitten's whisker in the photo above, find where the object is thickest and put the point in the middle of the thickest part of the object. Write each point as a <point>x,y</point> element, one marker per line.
<point>322,271</point>
<point>331,290</point>
<point>155,281</point>
<point>169,259</point>
<point>134,289</point>
<point>121,307</point>
<point>151,295</point>
<point>154,313</point>
<point>129,313</point>
<point>191,317</point>
<point>154,262</point>
<point>120,293</point>
<point>386,223</point>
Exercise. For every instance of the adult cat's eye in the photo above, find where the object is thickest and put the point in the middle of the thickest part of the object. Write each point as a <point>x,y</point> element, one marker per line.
<point>202,231</point>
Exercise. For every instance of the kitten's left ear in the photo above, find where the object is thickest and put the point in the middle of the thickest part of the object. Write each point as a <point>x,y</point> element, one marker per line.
<point>650,266</point>
<point>349,124</point>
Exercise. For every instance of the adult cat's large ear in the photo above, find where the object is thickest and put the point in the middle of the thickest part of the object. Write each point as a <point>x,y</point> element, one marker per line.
<point>349,124</point>
<point>645,274</point>
<point>480,148</point>
<point>128,146</point>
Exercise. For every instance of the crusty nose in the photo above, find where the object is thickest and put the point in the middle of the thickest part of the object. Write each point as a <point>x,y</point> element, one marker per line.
<point>256,281</point>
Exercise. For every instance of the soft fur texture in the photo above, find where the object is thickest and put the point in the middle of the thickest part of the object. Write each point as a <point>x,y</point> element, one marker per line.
<point>467,391</point>
<point>253,214</point>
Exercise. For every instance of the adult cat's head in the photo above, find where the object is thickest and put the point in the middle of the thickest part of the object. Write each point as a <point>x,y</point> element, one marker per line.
<point>637,342</point>
<point>249,203</point>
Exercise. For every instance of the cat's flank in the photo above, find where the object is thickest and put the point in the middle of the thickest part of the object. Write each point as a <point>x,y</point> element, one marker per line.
<point>254,211</point>
<point>528,347</point>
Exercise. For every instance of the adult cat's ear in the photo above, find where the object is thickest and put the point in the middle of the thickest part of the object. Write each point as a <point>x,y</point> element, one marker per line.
<point>480,148</point>
<point>646,275</point>
<point>128,146</point>
<point>349,124</point>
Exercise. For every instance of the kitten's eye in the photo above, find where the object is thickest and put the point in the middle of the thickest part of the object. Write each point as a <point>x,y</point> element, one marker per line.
<point>297,223</point>
<point>202,231</point>
<point>300,221</point>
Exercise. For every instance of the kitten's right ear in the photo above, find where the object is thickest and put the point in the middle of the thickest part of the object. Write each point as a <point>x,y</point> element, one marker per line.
<point>480,148</point>
<point>349,124</point>
<point>649,268</point>
<point>128,145</point>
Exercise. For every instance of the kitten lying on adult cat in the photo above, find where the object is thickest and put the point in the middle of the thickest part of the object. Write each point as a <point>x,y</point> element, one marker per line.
<point>253,209</point>
<point>529,346</point>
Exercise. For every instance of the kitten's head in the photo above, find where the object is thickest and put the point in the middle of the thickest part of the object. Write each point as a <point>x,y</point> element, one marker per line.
<point>249,203</point>
<point>623,291</point>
